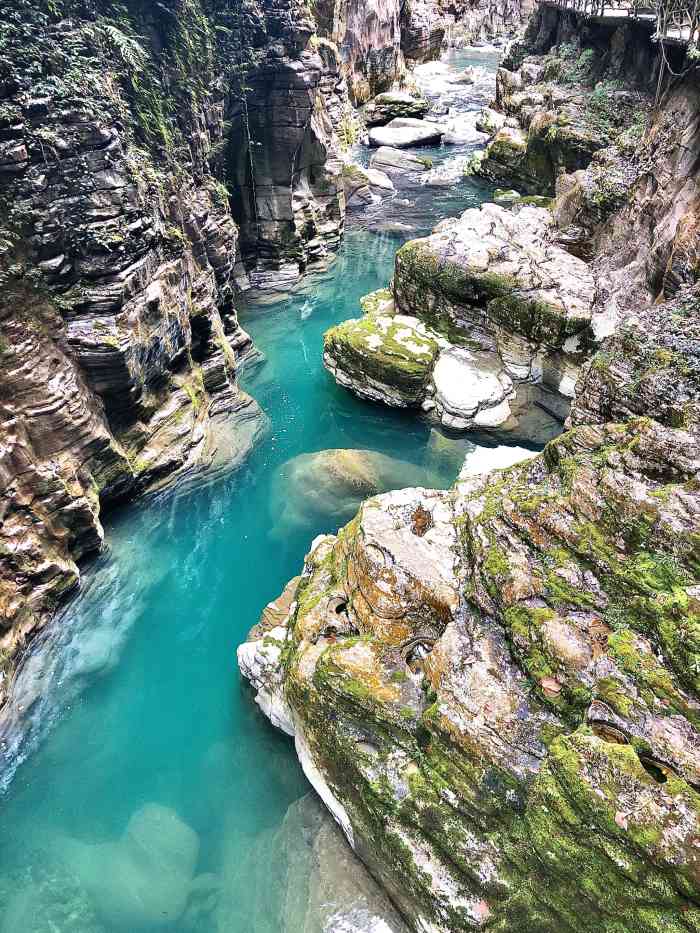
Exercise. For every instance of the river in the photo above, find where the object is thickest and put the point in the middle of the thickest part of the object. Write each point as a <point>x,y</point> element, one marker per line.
<point>147,791</point>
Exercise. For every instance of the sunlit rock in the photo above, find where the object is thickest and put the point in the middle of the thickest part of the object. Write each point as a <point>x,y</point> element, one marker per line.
<point>406,133</point>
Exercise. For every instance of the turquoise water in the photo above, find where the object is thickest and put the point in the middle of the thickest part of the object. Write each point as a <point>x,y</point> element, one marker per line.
<point>133,706</point>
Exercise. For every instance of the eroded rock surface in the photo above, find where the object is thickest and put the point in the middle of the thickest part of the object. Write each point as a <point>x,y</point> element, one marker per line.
<point>486,305</point>
<point>386,107</point>
<point>120,260</point>
<point>494,689</point>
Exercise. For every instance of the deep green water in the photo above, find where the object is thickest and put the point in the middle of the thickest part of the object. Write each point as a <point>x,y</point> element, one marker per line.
<point>134,697</point>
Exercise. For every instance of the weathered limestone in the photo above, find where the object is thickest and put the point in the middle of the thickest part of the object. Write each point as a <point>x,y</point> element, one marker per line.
<point>120,260</point>
<point>285,165</point>
<point>506,306</point>
<point>495,688</point>
<point>390,160</point>
<point>406,133</point>
<point>560,119</point>
<point>379,38</point>
<point>365,186</point>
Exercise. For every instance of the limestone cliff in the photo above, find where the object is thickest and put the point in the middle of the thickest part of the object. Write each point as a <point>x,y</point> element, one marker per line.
<point>130,138</point>
<point>379,39</point>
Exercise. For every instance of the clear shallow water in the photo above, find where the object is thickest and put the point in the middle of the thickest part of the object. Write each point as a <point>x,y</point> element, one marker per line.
<point>153,794</point>
<point>426,198</point>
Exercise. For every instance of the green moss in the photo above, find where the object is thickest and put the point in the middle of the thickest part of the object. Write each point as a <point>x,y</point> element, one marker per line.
<point>612,692</point>
<point>372,303</point>
<point>391,353</point>
<point>496,563</point>
<point>537,320</point>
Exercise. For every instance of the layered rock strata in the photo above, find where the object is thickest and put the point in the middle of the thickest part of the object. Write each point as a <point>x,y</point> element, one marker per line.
<point>578,124</point>
<point>120,259</point>
<point>284,157</point>
<point>482,20</point>
<point>495,690</point>
<point>379,41</point>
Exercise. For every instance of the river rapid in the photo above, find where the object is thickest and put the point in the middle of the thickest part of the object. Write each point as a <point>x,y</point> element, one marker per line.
<point>143,791</point>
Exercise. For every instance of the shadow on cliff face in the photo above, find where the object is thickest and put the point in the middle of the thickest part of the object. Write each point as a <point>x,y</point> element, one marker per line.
<point>285,184</point>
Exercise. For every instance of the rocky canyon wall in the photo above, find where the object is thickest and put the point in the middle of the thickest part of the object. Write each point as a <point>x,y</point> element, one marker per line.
<point>495,688</point>
<point>127,136</point>
<point>379,39</point>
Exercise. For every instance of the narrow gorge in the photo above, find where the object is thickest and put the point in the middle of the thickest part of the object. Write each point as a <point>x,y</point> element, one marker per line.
<point>390,308</point>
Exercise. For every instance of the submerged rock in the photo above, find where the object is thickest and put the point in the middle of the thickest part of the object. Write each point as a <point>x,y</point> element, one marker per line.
<point>143,881</point>
<point>328,889</point>
<point>329,485</point>
<point>394,228</point>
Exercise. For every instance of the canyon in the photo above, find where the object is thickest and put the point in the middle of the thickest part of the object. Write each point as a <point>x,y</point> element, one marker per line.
<point>494,688</point>
<point>490,676</point>
<point>154,166</point>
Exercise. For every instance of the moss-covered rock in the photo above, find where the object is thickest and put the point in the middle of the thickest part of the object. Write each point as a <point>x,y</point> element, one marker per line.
<point>496,688</point>
<point>382,357</point>
<point>392,105</point>
<point>506,305</point>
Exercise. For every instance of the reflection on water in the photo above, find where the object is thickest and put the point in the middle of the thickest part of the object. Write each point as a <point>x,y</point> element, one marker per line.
<point>148,794</point>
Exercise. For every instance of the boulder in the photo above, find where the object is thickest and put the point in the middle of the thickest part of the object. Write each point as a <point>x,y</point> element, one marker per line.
<point>391,160</point>
<point>142,881</point>
<point>364,186</point>
<point>381,357</point>
<point>506,196</point>
<point>328,486</point>
<point>470,75</point>
<point>505,158</point>
<point>391,104</point>
<point>490,318</point>
<point>406,133</point>
<point>490,121</point>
